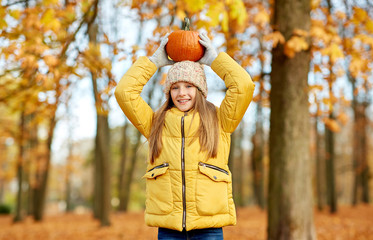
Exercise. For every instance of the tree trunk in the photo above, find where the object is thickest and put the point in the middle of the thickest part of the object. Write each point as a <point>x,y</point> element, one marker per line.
<point>42,179</point>
<point>102,191</point>
<point>361,167</point>
<point>330,168</point>
<point>18,216</point>
<point>97,203</point>
<point>2,191</point>
<point>239,167</point>
<point>127,181</point>
<point>31,158</point>
<point>232,163</point>
<point>290,204</point>
<point>130,172</point>
<point>68,176</point>
<point>103,135</point>
<point>258,155</point>
<point>122,169</point>
<point>320,169</point>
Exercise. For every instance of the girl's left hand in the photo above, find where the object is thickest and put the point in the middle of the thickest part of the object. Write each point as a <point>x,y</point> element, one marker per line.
<point>210,52</point>
<point>160,57</point>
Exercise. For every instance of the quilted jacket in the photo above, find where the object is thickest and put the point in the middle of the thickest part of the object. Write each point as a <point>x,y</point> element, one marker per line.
<point>185,188</point>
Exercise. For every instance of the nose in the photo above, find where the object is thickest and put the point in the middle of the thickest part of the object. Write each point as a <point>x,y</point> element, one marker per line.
<point>182,91</point>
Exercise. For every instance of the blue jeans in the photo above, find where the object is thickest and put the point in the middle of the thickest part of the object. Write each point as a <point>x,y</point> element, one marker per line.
<point>197,234</point>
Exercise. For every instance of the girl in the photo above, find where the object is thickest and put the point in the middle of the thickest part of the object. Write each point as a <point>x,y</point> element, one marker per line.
<point>188,183</point>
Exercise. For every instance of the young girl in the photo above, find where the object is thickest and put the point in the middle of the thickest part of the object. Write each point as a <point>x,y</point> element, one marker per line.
<point>188,183</point>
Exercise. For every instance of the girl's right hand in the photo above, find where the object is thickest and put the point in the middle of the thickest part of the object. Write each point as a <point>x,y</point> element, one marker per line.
<point>160,57</point>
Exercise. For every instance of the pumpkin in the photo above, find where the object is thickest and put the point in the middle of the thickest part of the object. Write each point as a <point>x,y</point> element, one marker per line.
<point>183,44</point>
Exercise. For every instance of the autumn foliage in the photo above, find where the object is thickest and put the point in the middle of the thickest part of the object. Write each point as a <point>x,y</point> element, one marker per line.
<point>49,47</point>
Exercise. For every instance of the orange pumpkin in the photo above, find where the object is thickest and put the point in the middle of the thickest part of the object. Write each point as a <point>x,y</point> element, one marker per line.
<point>183,45</point>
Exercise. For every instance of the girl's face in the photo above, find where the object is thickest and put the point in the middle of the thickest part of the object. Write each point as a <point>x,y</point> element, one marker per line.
<point>183,95</point>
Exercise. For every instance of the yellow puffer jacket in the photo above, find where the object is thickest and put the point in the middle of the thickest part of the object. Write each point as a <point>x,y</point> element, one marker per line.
<point>185,189</point>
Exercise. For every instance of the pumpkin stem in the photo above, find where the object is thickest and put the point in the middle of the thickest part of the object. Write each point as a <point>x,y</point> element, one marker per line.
<point>186,24</point>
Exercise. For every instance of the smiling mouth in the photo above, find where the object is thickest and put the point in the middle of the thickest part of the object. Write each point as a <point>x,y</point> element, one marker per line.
<point>183,101</point>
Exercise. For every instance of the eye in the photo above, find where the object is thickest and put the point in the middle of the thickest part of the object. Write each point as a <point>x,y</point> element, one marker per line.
<point>189,86</point>
<point>174,88</point>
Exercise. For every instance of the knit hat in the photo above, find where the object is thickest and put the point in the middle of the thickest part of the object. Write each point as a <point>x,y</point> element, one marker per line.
<point>186,71</point>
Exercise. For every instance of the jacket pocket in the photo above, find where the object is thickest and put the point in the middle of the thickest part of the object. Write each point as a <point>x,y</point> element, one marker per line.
<point>212,190</point>
<point>158,190</point>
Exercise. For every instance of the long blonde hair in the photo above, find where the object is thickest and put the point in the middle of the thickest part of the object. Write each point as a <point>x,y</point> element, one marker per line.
<point>208,130</point>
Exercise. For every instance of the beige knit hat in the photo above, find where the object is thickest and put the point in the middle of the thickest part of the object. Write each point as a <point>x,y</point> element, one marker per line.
<point>186,71</point>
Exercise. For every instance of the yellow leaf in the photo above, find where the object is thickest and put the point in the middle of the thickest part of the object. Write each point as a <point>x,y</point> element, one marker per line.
<point>213,13</point>
<point>340,15</point>
<point>356,66</point>
<point>317,31</point>
<point>256,98</point>
<point>224,23</point>
<point>295,44</point>
<point>203,24</point>
<point>163,80</point>
<point>343,118</point>
<point>247,61</point>
<point>347,44</point>
<point>335,52</point>
<point>51,60</point>
<point>237,11</point>
<point>49,2</point>
<point>193,6</point>
<point>317,87</point>
<point>180,13</point>
<point>326,101</point>
<point>135,48</point>
<point>315,4</point>
<point>276,37</point>
<point>360,14</point>
<point>47,16</point>
<point>261,18</point>
<point>300,32</point>
<point>16,14</point>
<point>317,68</point>
<point>3,23</point>
<point>369,26</point>
<point>332,125</point>
<point>329,102</point>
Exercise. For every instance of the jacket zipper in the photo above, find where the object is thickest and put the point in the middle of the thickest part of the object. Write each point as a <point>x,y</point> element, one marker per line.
<point>183,169</point>
<point>159,166</point>
<point>213,167</point>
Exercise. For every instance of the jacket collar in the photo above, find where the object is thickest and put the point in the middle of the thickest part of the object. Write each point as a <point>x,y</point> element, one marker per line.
<point>177,112</point>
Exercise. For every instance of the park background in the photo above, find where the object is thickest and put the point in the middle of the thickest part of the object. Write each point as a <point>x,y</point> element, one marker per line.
<point>301,158</point>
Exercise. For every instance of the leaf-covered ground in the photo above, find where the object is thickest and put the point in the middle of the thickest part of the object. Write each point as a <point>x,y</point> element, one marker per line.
<point>351,223</point>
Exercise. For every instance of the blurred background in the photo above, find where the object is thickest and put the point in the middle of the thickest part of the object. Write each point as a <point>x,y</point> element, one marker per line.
<point>65,145</point>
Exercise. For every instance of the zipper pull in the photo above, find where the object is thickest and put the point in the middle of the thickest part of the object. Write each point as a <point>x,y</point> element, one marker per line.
<point>202,164</point>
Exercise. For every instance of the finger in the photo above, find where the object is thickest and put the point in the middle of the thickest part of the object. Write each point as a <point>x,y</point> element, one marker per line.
<point>164,42</point>
<point>203,43</point>
<point>204,37</point>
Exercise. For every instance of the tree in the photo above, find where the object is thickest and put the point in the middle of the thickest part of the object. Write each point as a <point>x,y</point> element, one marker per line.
<point>102,156</point>
<point>290,206</point>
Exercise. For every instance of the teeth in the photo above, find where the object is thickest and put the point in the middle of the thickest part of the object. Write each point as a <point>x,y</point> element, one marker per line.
<point>183,101</point>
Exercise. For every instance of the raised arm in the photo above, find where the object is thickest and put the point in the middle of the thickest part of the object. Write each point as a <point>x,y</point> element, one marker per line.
<point>130,87</point>
<point>128,93</point>
<point>239,94</point>
<point>237,80</point>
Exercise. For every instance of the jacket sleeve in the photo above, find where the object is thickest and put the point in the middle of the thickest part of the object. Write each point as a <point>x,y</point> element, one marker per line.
<point>128,96</point>
<point>239,94</point>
